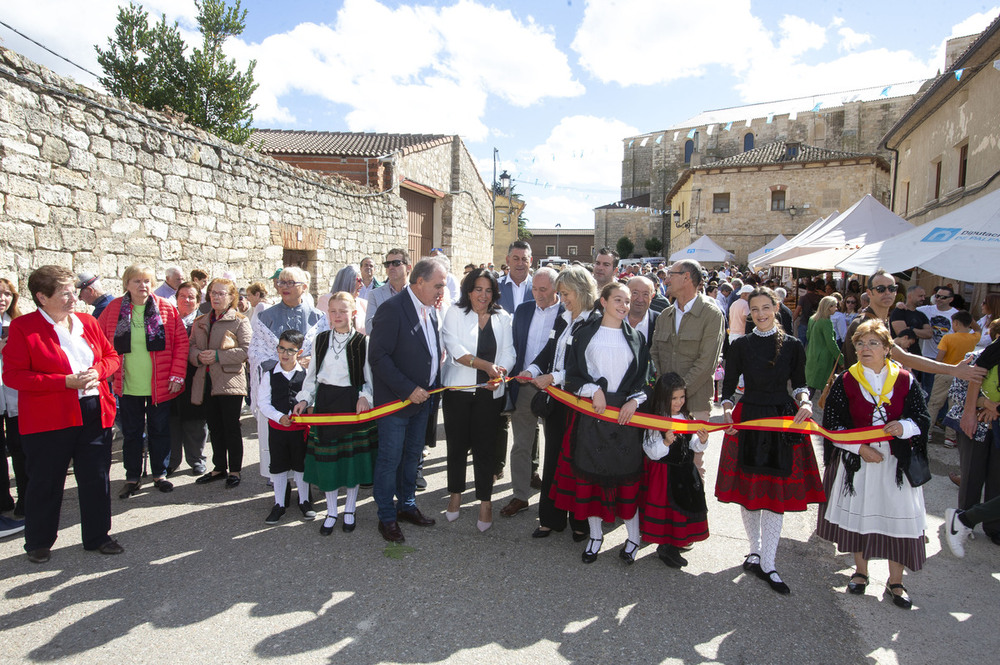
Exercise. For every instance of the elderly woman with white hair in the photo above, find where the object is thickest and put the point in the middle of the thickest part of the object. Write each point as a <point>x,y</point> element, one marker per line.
<point>348,280</point>
<point>291,313</point>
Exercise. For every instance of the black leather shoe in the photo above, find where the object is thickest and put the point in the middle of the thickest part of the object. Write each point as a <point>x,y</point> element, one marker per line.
<point>579,537</point>
<point>349,527</point>
<point>111,547</point>
<point>232,481</point>
<point>41,555</point>
<point>856,588</point>
<point>325,530</point>
<point>541,533</point>
<point>900,600</point>
<point>210,478</point>
<point>415,517</point>
<point>391,532</point>
<point>775,584</point>
<point>627,553</point>
<point>129,488</point>
<point>751,564</point>
<point>590,554</point>
<point>671,556</point>
<point>163,485</point>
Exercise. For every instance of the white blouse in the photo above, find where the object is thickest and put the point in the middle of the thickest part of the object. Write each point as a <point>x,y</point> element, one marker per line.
<point>76,348</point>
<point>334,371</point>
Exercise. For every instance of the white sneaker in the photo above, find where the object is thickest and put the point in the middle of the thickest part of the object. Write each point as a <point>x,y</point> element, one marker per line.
<point>955,533</point>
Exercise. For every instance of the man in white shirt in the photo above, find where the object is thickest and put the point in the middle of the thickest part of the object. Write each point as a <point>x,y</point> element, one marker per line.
<point>515,288</point>
<point>640,316</point>
<point>368,281</point>
<point>533,321</point>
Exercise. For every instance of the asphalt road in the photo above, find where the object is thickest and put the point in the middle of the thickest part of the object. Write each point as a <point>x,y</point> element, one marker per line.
<point>204,580</point>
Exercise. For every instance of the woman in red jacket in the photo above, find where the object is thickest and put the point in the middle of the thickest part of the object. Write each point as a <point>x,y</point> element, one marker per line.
<point>147,332</point>
<point>59,362</point>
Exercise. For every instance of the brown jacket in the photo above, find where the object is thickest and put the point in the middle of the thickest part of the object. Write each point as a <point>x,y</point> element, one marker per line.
<point>693,352</point>
<point>230,339</point>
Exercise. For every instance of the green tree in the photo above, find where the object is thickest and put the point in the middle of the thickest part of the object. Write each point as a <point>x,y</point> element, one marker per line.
<point>625,247</point>
<point>653,246</point>
<point>147,65</point>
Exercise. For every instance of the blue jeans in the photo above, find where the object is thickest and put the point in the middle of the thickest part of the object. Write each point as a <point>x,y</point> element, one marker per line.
<point>136,414</point>
<point>803,328</point>
<point>400,445</point>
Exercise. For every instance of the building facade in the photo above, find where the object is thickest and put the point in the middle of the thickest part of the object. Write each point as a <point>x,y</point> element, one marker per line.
<point>570,244</point>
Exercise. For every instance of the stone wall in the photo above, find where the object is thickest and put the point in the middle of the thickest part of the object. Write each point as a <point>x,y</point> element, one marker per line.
<point>610,224</point>
<point>96,183</point>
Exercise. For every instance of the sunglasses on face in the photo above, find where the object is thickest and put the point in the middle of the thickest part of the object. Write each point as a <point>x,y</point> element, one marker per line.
<point>882,288</point>
<point>394,263</point>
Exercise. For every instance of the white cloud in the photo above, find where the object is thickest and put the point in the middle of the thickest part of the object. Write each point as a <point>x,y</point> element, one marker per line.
<point>799,35</point>
<point>851,40</point>
<point>412,69</point>
<point>544,211</point>
<point>657,41</point>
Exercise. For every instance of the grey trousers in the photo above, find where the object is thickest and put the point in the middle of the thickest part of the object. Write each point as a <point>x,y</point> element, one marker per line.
<point>189,436</point>
<point>525,426</point>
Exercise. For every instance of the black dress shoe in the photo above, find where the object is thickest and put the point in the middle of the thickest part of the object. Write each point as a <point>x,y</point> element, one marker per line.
<point>232,481</point>
<point>129,488</point>
<point>163,485</point>
<point>900,600</point>
<point>671,556</point>
<point>856,588</point>
<point>775,584</point>
<point>627,554</point>
<point>41,555</point>
<point>541,533</point>
<point>210,477</point>
<point>579,537</point>
<point>349,527</point>
<point>751,564</point>
<point>325,530</point>
<point>391,532</point>
<point>110,547</point>
<point>415,517</point>
<point>590,554</point>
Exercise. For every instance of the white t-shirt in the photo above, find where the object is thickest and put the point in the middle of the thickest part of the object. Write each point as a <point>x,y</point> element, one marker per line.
<point>941,326</point>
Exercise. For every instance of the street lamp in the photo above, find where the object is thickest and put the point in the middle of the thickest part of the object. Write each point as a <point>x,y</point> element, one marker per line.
<point>505,183</point>
<point>558,226</point>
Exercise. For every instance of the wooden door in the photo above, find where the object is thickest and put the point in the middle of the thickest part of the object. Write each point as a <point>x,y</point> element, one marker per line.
<point>420,218</point>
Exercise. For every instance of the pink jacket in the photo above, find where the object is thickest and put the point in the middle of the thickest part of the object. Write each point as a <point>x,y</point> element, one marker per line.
<point>169,364</point>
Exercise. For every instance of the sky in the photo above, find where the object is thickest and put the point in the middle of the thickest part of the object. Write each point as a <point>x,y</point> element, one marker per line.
<point>544,89</point>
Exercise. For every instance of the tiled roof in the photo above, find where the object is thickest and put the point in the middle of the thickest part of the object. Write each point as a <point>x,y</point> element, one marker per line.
<point>641,201</point>
<point>347,144</point>
<point>777,153</point>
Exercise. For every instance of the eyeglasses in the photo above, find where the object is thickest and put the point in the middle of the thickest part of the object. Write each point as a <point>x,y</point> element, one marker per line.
<point>395,263</point>
<point>882,288</point>
<point>284,284</point>
<point>286,351</point>
<point>219,294</point>
<point>871,344</point>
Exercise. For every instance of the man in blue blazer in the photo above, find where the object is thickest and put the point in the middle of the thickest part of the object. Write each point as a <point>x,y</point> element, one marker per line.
<point>405,355</point>
<point>533,322</point>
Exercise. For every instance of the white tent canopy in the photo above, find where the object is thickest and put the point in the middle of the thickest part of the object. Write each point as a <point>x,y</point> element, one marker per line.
<point>865,222</point>
<point>963,244</point>
<point>801,238</point>
<point>769,247</point>
<point>704,250</point>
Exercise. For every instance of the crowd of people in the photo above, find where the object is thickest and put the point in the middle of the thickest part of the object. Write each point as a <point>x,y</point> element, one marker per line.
<point>175,365</point>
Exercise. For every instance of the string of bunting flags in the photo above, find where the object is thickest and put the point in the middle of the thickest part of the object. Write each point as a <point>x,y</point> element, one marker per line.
<point>854,437</point>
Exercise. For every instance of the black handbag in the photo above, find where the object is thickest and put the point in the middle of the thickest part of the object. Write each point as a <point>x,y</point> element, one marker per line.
<point>542,404</point>
<point>919,470</point>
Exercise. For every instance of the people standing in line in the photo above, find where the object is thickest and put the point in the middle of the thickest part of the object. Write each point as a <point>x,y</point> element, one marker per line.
<point>600,467</point>
<point>188,428</point>
<point>479,347</point>
<point>59,363</point>
<point>673,513</point>
<point>339,381</point>
<point>286,440</point>
<point>532,326</point>
<point>219,344</point>
<point>10,436</point>
<point>822,351</point>
<point>148,334</point>
<point>577,292</point>
<point>405,356</point>
<point>92,292</point>
<point>873,509</point>
<point>767,473</point>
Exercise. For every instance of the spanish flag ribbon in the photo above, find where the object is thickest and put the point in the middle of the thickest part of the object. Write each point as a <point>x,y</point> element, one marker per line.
<point>855,437</point>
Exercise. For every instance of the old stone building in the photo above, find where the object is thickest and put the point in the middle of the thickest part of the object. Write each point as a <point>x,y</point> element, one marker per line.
<point>506,210</point>
<point>948,142</point>
<point>447,203</point>
<point>96,183</point>
<point>744,201</point>
<point>851,121</point>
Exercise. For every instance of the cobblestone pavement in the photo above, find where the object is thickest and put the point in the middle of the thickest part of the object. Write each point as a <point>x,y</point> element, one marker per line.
<point>204,579</point>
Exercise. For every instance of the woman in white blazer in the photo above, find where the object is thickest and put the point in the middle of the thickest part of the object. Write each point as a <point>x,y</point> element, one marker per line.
<point>479,343</point>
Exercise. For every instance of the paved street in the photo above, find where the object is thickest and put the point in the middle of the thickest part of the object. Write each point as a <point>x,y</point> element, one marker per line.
<point>204,579</point>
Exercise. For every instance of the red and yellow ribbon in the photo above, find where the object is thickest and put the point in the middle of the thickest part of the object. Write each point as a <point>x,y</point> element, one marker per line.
<point>855,437</point>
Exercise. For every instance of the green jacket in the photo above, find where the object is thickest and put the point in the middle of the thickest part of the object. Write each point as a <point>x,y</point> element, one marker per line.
<point>821,352</point>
